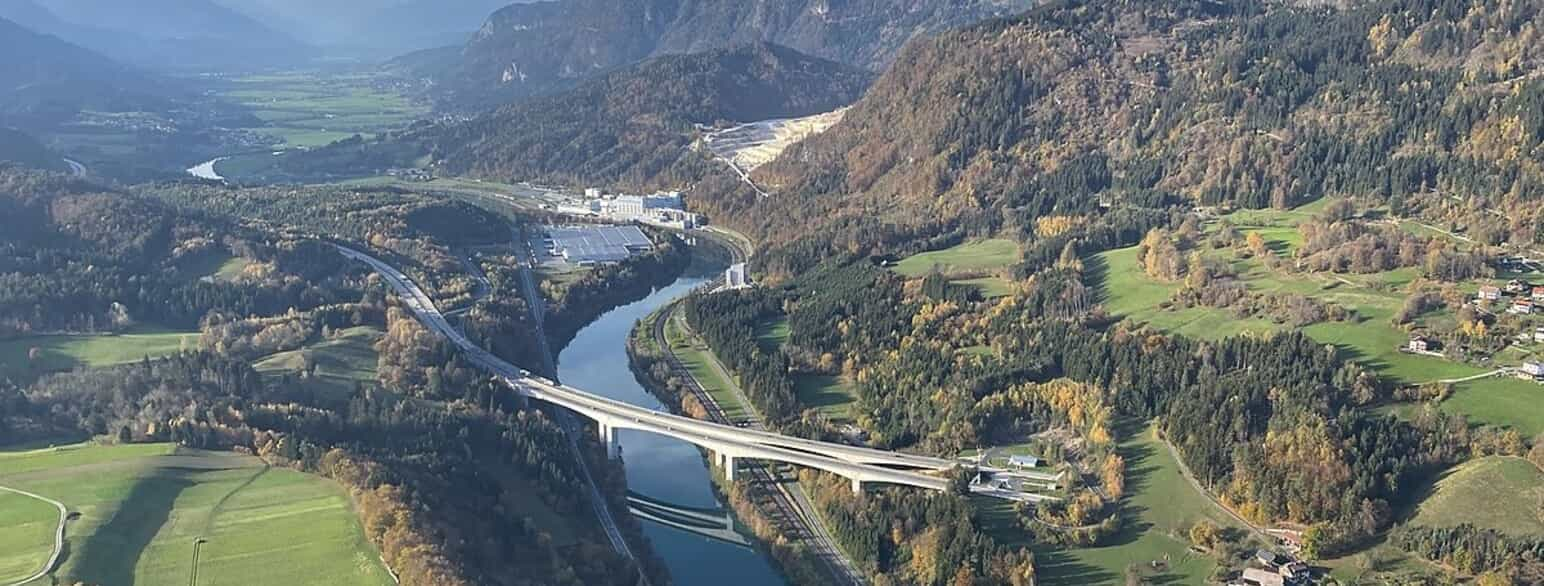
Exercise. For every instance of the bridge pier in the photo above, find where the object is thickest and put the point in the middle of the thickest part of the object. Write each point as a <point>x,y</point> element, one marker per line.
<point>608,436</point>
<point>726,461</point>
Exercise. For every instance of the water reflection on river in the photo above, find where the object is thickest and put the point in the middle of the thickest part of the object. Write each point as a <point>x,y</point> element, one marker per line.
<point>659,467</point>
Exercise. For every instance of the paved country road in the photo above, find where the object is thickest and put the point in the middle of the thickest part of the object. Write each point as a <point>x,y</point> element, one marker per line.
<point>64,514</point>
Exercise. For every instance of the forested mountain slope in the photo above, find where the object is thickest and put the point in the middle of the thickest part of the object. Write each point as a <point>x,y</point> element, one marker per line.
<point>42,77</point>
<point>530,49</point>
<point>1078,108</point>
<point>630,126</point>
<point>20,147</point>
<point>160,34</point>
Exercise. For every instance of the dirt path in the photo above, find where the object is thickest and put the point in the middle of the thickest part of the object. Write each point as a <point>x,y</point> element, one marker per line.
<point>1184,470</point>
<point>53,559</point>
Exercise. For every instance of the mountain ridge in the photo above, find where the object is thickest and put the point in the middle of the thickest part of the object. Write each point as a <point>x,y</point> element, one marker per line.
<point>626,128</point>
<point>538,48</point>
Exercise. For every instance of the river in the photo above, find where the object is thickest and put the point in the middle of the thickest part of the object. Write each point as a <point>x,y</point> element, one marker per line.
<point>659,467</point>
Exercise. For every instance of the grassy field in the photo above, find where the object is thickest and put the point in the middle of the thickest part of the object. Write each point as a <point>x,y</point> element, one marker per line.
<point>697,360</point>
<point>64,352</point>
<point>982,255</point>
<point>348,358</point>
<point>990,287</point>
<point>26,535</point>
<point>1501,401</point>
<point>1508,487</point>
<point>1159,508</point>
<point>143,507</point>
<point>1370,338</point>
<point>217,266</point>
<point>306,109</point>
<point>830,395</point>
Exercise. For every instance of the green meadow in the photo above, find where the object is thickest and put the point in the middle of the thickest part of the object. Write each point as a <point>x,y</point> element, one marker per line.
<point>68,351</point>
<point>1160,506</point>
<point>1496,492</point>
<point>829,395</point>
<point>26,535</point>
<point>1370,338</point>
<point>145,509</point>
<point>698,359</point>
<point>349,358</point>
<point>977,256</point>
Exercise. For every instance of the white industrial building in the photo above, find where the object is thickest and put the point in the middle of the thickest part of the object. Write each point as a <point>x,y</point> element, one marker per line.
<point>643,205</point>
<point>591,245</point>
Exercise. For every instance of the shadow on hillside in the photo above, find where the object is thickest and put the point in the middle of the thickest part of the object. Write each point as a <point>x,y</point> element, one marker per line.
<point>110,554</point>
<point>1095,274</point>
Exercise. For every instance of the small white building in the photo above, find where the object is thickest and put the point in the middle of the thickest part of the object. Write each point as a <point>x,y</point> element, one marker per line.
<point>736,277</point>
<point>1534,369</point>
<point>1490,293</point>
<point>1538,335</point>
<point>1522,307</point>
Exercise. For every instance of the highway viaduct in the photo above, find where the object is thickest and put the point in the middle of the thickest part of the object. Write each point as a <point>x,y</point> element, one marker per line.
<point>727,443</point>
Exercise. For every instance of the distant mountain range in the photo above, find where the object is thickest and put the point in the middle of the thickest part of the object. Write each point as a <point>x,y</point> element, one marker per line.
<point>160,34</point>
<point>45,79</point>
<point>373,27</point>
<point>538,48</point>
<point>623,128</point>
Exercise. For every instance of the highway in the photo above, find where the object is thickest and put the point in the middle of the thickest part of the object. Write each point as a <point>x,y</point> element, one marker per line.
<point>76,168</point>
<point>861,465</point>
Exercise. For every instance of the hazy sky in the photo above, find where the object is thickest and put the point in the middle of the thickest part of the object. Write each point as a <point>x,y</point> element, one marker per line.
<point>356,21</point>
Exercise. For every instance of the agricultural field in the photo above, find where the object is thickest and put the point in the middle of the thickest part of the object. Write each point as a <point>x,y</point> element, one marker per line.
<point>347,359</point>
<point>1370,338</point>
<point>308,109</point>
<point>65,352</point>
<point>1509,487</point>
<point>1159,508</point>
<point>147,512</point>
<point>311,109</point>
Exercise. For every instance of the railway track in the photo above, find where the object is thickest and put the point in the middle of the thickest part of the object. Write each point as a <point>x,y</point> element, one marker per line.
<point>795,515</point>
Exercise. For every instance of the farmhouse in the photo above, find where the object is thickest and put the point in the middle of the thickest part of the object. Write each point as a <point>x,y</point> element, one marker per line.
<point>1518,286</point>
<point>1534,370</point>
<point>1024,461</point>
<point>1259,577</point>
<point>1421,344</point>
<point>1538,334</point>
<point>1490,293</point>
<point>1538,294</point>
<point>1293,570</point>
<point>1522,307</point>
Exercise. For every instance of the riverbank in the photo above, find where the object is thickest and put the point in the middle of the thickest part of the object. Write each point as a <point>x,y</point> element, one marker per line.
<point>764,504</point>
